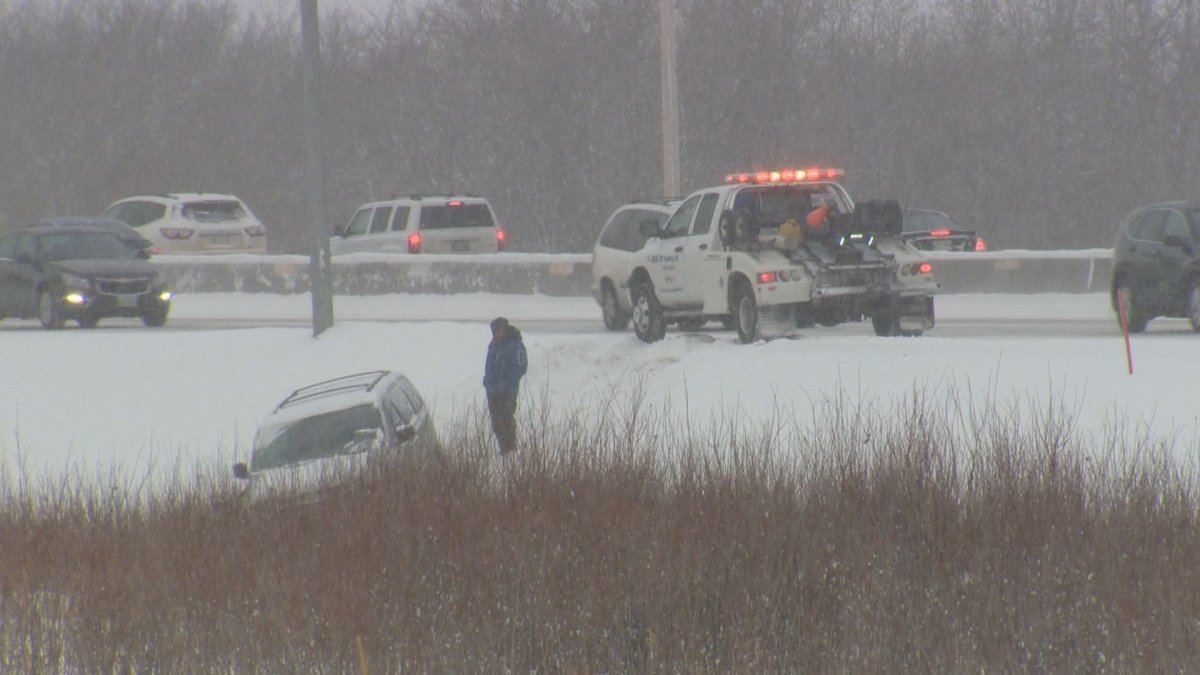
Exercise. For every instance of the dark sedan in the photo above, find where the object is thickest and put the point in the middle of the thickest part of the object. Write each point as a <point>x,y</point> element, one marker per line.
<point>57,273</point>
<point>934,231</point>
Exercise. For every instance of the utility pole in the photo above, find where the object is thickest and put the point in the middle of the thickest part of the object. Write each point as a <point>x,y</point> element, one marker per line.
<point>670,100</point>
<point>320,272</point>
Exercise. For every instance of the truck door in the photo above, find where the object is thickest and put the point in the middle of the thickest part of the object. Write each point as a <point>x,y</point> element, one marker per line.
<point>697,246</point>
<point>664,257</point>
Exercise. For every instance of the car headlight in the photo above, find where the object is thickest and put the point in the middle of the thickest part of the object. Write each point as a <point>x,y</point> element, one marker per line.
<point>73,281</point>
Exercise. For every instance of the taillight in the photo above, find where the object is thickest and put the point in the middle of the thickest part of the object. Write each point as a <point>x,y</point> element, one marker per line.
<point>767,277</point>
<point>979,245</point>
<point>940,233</point>
<point>500,239</point>
<point>175,232</point>
<point>923,268</point>
<point>414,242</point>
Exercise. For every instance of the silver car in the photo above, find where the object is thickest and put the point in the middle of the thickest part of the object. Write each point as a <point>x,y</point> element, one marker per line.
<point>612,258</point>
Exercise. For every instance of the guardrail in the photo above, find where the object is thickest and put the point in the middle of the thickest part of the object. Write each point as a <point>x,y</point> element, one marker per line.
<point>570,274</point>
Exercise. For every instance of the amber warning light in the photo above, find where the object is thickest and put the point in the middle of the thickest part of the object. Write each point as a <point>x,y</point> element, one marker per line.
<point>785,175</point>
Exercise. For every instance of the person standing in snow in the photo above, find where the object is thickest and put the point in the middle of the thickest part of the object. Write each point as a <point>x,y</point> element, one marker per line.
<point>506,365</point>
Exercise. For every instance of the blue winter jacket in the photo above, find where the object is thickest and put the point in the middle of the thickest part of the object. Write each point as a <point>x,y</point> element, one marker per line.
<point>506,364</point>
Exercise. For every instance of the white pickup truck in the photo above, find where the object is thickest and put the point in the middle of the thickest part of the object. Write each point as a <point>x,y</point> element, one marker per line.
<point>772,250</point>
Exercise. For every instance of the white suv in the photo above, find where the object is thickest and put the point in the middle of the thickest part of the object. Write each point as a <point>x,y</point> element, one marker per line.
<point>330,430</point>
<point>614,256</point>
<point>193,222</point>
<point>421,224</point>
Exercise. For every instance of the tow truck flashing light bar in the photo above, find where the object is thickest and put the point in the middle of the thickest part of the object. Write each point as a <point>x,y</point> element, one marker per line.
<point>785,175</point>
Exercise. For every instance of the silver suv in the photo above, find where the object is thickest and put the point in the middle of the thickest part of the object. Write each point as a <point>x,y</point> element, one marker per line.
<point>193,222</point>
<point>421,224</point>
<point>331,430</point>
<point>614,255</point>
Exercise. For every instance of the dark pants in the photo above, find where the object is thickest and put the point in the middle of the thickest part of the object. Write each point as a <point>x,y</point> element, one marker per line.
<point>503,410</point>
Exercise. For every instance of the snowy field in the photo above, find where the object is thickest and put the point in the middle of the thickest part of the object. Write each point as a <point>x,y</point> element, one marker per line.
<point>136,399</point>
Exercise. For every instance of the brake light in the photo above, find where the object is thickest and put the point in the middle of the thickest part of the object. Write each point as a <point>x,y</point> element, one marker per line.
<point>940,233</point>
<point>767,277</point>
<point>175,232</point>
<point>980,245</point>
<point>455,202</point>
<point>414,242</point>
<point>500,239</point>
<point>785,175</point>
<point>924,268</point>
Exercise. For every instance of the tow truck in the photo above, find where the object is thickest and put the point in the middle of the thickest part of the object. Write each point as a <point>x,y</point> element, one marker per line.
<point>769,251</point>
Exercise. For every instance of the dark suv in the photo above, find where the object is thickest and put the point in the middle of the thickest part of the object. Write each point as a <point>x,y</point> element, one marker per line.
<point>55,273</point>
<point>1156,264</point>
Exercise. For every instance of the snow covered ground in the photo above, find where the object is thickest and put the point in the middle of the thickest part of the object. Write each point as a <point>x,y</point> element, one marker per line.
<point>133,399</point>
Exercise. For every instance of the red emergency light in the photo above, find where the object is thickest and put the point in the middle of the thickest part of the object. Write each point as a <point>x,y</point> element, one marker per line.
<point>785,175</point>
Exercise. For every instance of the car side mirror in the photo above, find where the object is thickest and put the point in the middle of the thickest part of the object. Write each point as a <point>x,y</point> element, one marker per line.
<point>340,230</point>
<point>405,433</point>
<point>1176,241</point>
<point>241,471</point>
<point>650,229</point>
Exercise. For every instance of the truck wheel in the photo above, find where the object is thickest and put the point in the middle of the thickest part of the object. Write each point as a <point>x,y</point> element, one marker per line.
<point>1137,321</point>
<point>884,325</point>
<point>614,319</point>
<point>745,314</point>
<point>48,311</point>
<point>1194,304</point>
<point>648,321</point>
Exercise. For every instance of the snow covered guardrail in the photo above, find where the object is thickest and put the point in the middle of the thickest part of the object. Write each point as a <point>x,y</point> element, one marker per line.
<point>571,275</point>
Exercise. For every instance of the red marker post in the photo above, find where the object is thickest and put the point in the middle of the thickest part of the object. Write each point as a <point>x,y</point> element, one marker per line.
<point>1125,328</point>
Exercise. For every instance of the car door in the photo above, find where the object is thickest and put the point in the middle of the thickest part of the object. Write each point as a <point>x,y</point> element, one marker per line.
<point>1172,257</point>
<point>19,275</point>
<point>353,238</point>
<point>1146,233</point>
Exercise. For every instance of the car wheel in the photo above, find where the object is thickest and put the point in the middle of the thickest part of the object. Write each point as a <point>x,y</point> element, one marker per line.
<point>155,318</point>
<point>1194,304</point>
<point>1137,321</point>
<point>614,318</point>
<point>648,321</point>
<point>88,320</point>
<point>745,313</point>
<point>48,311</point>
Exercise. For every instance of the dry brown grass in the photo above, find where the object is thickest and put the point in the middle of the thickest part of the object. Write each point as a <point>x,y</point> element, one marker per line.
<point>920,538</point>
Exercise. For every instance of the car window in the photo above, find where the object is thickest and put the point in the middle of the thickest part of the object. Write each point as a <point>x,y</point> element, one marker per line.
<point>413,395</point>
<point>634,239</point>
<point>455,215</point>
<point>400,409</point>
<point>379,222</point>
<point>88,246</point>
<point>1176,226</point>
<point>213,211</point>
<point>704,215</point>
<point>360,222</point>
<point>615,233</point>
<point>8,247</point>
<point>322,435</point>
<point>1153,224</point>
<point>27,247</point>
<point>681,221</point>
<point>924,221</point>
<point>1194,223</point>
<point>400,220</point>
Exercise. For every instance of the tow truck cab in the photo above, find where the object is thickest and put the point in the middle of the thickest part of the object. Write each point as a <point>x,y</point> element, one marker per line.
<point>768,251</point>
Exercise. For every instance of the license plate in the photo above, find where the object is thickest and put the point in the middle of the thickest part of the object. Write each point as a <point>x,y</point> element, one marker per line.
<point>221,240</point>
<point>126,301</point>
<point>460,246</point>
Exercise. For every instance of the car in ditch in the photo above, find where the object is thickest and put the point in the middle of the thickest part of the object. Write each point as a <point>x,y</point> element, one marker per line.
<point>57,273</point>
<point>1156,264</point>
<point>324,433</point>
<point>613,256</point>
<point>929,230</point>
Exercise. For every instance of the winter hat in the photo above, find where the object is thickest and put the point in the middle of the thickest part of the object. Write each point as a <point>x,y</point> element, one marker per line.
<point>500,322</point>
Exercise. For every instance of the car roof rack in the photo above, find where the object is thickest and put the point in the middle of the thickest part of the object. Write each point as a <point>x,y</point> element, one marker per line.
<point>364,381</point>
<point>432,195</point>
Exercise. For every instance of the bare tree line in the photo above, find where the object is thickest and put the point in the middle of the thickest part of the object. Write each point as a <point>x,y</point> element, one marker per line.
<point>1039,122</point>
